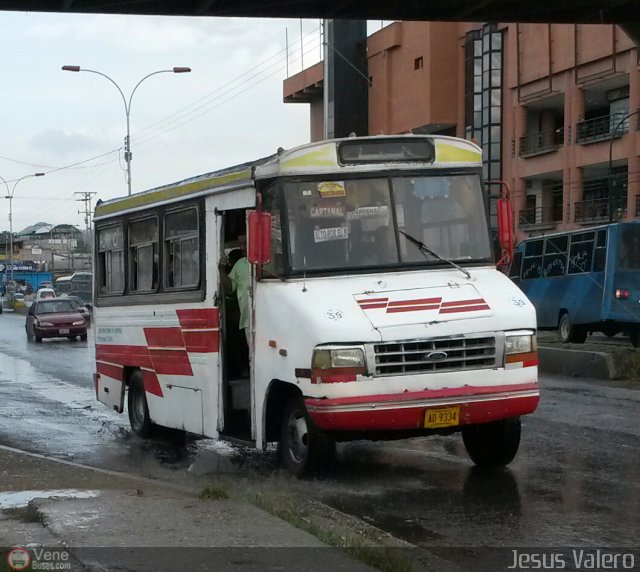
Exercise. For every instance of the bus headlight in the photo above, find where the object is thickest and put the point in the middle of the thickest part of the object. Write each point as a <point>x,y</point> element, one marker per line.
<point>520,344</point>
<point>337,364</point>
<point>520,349</point>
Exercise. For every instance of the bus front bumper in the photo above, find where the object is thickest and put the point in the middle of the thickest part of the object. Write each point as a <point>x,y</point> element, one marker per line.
<point>407,411</point>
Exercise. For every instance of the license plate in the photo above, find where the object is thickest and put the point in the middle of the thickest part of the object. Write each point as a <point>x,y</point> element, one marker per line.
<point>64,331</point>
<point>442,417</point>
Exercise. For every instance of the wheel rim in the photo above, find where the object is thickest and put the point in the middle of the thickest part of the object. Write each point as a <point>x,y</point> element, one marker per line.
<point>138,410</point>
<point>564,328</point>
<point>298,436</point>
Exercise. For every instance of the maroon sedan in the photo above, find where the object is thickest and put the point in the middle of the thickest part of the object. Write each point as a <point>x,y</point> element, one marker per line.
<point>55,318</point>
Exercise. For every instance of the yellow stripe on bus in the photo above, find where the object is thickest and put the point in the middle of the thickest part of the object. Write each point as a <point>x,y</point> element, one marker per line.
<point>162,195</point>
<point>323,157</point>
<point>447,153</point>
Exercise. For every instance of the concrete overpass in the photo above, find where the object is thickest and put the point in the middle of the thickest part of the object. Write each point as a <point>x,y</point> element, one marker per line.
<point>625,13</point>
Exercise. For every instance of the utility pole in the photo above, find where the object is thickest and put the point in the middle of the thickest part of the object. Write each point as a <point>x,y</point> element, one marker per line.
<point>86,199</point>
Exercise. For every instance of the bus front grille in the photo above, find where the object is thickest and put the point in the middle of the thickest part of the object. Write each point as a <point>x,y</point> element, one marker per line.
<point>424,356</point>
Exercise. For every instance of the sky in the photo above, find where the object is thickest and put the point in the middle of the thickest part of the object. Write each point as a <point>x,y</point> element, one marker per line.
<point>71,126</point>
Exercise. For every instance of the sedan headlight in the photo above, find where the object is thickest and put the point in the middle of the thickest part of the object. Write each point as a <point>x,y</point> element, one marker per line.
<point>520,344</point>
<point>44,324</point>
<point>79,323</point>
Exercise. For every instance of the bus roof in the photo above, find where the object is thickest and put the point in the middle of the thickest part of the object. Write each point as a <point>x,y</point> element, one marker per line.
<point>322,157</point>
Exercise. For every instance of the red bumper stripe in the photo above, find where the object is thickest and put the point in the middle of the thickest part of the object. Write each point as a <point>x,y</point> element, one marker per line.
<point>463,309</point>
<point>413,417</point>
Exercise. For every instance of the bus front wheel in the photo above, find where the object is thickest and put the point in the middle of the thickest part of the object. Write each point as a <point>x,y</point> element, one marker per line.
<point>303,447</point>
<point>569,332</point>
<point>137,407</point>
<point>492,444</point>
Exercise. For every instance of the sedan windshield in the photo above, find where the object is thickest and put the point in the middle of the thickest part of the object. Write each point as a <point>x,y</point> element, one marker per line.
<point>354,224</point>
<point>55,307</point>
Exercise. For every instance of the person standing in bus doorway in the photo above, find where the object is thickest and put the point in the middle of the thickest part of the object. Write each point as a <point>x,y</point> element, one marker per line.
<point>238,281</point>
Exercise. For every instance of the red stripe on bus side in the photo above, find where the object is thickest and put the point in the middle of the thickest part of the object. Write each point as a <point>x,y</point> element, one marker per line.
<point>112,371</point>
<point>372,300</point>
<point>164,337</point>
<point>171,362</point>
<point>202,342</point>
<point>151,383</point>
<point>137,356</point>
<point>199,318</point>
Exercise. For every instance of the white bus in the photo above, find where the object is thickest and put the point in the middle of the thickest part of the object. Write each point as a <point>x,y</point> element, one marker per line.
<point>375,308</point>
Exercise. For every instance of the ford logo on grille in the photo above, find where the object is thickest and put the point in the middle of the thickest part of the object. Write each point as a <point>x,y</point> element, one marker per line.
<point>436,356</point>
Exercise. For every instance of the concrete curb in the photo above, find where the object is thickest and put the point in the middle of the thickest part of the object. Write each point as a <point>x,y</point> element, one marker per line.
<point>577,363</point>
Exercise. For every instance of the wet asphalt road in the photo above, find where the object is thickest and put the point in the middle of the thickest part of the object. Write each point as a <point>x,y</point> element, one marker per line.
<point>575,482</point>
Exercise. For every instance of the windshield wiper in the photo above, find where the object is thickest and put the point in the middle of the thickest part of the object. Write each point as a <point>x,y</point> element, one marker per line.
<point>426,250</point>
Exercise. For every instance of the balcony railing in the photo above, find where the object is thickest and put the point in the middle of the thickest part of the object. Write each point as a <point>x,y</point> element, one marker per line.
<point>541,142</point>
<point>598,209</point>
<point>540,216</point>
<point>601,128</point>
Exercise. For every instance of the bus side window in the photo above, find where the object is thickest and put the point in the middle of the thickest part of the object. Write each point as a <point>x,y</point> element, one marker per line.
<point>600,255</point>
<point>555,256</point>
<point>581,253</point>
<point>532,265</point>
<point>516,265</point>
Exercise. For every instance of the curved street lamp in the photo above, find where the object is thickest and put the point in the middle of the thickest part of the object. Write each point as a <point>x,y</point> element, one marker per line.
<point>127,106</point>
<point>9,196</point>
<point>610,181</point>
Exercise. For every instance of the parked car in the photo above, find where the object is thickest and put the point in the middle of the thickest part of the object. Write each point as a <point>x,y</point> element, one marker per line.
<point>80,305</point>
<point>55,318</point>
<point>45,294</point>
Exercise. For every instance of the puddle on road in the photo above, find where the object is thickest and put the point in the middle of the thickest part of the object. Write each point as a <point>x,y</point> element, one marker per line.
<point>19,499</point>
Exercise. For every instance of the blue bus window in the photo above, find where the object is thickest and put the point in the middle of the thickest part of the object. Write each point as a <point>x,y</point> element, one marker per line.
<point>581,253</point>
<point>600,254</point>
<point>532,267</point>
<point>533,248</point>
<point>556,245</point>
<point>514,269</point>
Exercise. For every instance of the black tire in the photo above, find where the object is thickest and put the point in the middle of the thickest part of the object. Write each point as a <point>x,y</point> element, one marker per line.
<point>83,338</point>
<point>38,339</point>
<point>304,449</point>
<point>492,444</point>
<point>137,407</point>
<point>570,333</point>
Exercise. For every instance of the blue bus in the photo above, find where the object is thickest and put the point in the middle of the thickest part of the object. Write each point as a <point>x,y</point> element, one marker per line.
<point>77,284</point>
<point>583,281</point>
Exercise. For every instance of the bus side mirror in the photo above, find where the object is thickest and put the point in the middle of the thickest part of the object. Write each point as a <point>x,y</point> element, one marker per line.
<point>259,238</point>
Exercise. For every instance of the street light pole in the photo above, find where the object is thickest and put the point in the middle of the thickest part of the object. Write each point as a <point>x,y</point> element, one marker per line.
<point>10,197</point>
<point>610,181</point>
<point>127,106</point>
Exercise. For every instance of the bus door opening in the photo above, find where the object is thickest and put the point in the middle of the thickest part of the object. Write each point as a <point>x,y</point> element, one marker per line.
<point>233,294</point>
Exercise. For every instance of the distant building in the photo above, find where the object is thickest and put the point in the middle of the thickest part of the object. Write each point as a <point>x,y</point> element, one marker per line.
<point>547,103</point>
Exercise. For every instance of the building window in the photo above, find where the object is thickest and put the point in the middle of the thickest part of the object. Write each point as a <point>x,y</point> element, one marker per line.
<point>143,255</point>
<point>111,260</point>
<point>418,63</point>
<point>181,249</point>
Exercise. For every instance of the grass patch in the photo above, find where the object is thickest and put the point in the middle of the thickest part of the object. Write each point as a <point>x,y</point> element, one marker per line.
<point>213,492</point>
<point>627,363</point>
<point>362,548</point>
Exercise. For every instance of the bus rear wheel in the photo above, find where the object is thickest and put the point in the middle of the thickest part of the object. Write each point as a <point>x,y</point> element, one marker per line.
<point>304,448</point>
<point>493,444</point>
<point>569,332</point>
<point>137,407</point>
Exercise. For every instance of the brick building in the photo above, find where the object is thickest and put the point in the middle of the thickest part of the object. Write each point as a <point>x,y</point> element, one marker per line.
<point>548,103</point>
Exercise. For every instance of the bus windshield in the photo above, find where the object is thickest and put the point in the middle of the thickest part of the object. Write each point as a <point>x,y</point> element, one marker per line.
<point>335,225</point>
